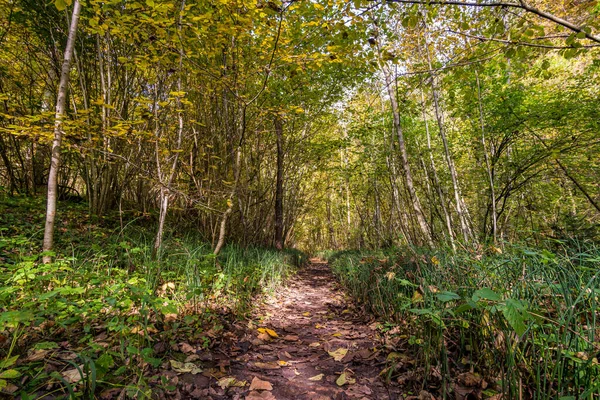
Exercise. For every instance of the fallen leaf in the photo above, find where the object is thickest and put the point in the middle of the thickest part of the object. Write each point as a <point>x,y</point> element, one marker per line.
<point>269,332</point>
<point>337,334</point>
<point>170,317</point>
<point>314,344</point>
<point>258,384</point>
<point>306,314</point>
<point>73,375</point>
<point>291,338</point>
<point>267,365</point>
<point>338,354</point>
<point>316,378</point>
<point>186,348</point>
<point>319,326</point>
<point>37,355</point>
<point>345,379</point>
<point>7,387</point>
<point>359,391</point>
<point>283,363</point>
<point>230,381</point>
<point>260,396</point>
<point>182,368</point>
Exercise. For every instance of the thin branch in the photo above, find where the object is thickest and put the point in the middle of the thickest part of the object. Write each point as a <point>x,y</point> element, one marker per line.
<point>516,43</point>
<point>521,5</point>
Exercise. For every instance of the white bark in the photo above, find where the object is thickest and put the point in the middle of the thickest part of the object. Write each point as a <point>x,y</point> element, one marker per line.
<point>58,134</point>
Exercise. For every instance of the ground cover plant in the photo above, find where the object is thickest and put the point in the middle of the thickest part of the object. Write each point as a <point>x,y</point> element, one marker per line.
<point>104,310</point>
<point>523,319</point>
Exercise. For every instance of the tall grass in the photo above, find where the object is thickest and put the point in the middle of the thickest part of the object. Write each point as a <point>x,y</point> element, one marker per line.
<point>526,318</point>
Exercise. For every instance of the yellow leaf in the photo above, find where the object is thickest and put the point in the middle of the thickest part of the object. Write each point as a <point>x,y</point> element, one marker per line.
<point>306,314</point>
<point>344,379</point>
<point>269,332</point>
<point>337,334</point>
<point>417,297</point>
<point>181,368</point>
<point>229,381</point>
<point>338,354</point>
<point>316,378</point>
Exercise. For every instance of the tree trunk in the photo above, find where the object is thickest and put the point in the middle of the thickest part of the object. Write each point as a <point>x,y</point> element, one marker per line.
<point>58,133</point>
<point>488,166</point>
<point>279,186</point>
<point>460,206</point>
<point>165,187</point>
<point>414,198</point>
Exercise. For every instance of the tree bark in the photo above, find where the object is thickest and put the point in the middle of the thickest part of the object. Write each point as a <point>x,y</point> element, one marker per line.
<point>58,134</point>
<point>414,198</point>
<point>279,243</point>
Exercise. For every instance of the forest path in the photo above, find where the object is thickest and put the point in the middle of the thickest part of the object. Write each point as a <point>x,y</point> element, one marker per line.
<point>311,346</point>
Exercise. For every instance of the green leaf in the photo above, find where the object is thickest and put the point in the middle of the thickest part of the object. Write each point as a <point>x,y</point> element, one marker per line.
<point>447,296</point>
<point>486,294</point>
<point>61,5</point>
<point>8,362</point>
<point>513,312</point>
<point>10,374</point>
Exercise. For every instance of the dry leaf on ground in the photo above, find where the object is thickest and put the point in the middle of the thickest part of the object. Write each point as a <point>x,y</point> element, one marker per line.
<point>316,378</point>
<point>182,368</point>
<point>258,384</point>
<point>338,354</point>
<point>267,365</point>
<point>344,379</point>
<point>260,396</point>
<point>230,381</point>
<point>269,332</point>
<point>73,375</point>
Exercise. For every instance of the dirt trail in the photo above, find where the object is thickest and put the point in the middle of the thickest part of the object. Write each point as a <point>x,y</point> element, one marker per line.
<point>315,344</point>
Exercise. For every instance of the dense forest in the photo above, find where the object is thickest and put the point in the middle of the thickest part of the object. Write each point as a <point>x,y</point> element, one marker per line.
<point>300,199</point>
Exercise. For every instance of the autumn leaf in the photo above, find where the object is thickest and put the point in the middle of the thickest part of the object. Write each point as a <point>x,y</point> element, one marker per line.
<point>316,378</point>
<point>338,354</point>
<point>73,375</point>
<point>267,365</point>
<point>229,381</point>
<point>344,379</point>
<point>258,384</point>
<point>182,368</point>
<point>269,332</point>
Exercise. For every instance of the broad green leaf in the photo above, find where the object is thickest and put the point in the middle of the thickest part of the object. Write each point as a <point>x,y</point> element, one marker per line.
<point>10,374</point>
<point>447,296</point>
<point>513,312</point>
<point>486,294</point>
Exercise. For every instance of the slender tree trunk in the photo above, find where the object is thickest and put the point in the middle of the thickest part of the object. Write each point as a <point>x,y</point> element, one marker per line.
<point>436,180</point>
<point>279,186</point>
<point>58,133</point>
<point>414,198</point>
<point>460,206</point>
<point>166,186</point>
<point>488,165</point>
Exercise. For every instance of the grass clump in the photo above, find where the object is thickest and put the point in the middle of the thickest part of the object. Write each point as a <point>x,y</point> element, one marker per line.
<point>525,319</point>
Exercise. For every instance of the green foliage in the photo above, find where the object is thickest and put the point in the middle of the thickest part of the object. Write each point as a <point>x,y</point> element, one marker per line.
<point>113,289</point>
<point>535,309</point>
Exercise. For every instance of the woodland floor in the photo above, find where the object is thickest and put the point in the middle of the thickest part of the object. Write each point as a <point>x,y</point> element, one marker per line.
<point>312,345</point>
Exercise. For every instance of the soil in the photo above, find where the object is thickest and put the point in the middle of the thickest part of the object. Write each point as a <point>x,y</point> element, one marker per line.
<point>307,342</point>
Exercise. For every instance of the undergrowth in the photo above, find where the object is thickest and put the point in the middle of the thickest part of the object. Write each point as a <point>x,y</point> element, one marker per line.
<point>105,314</point>
<point>526,320</point>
